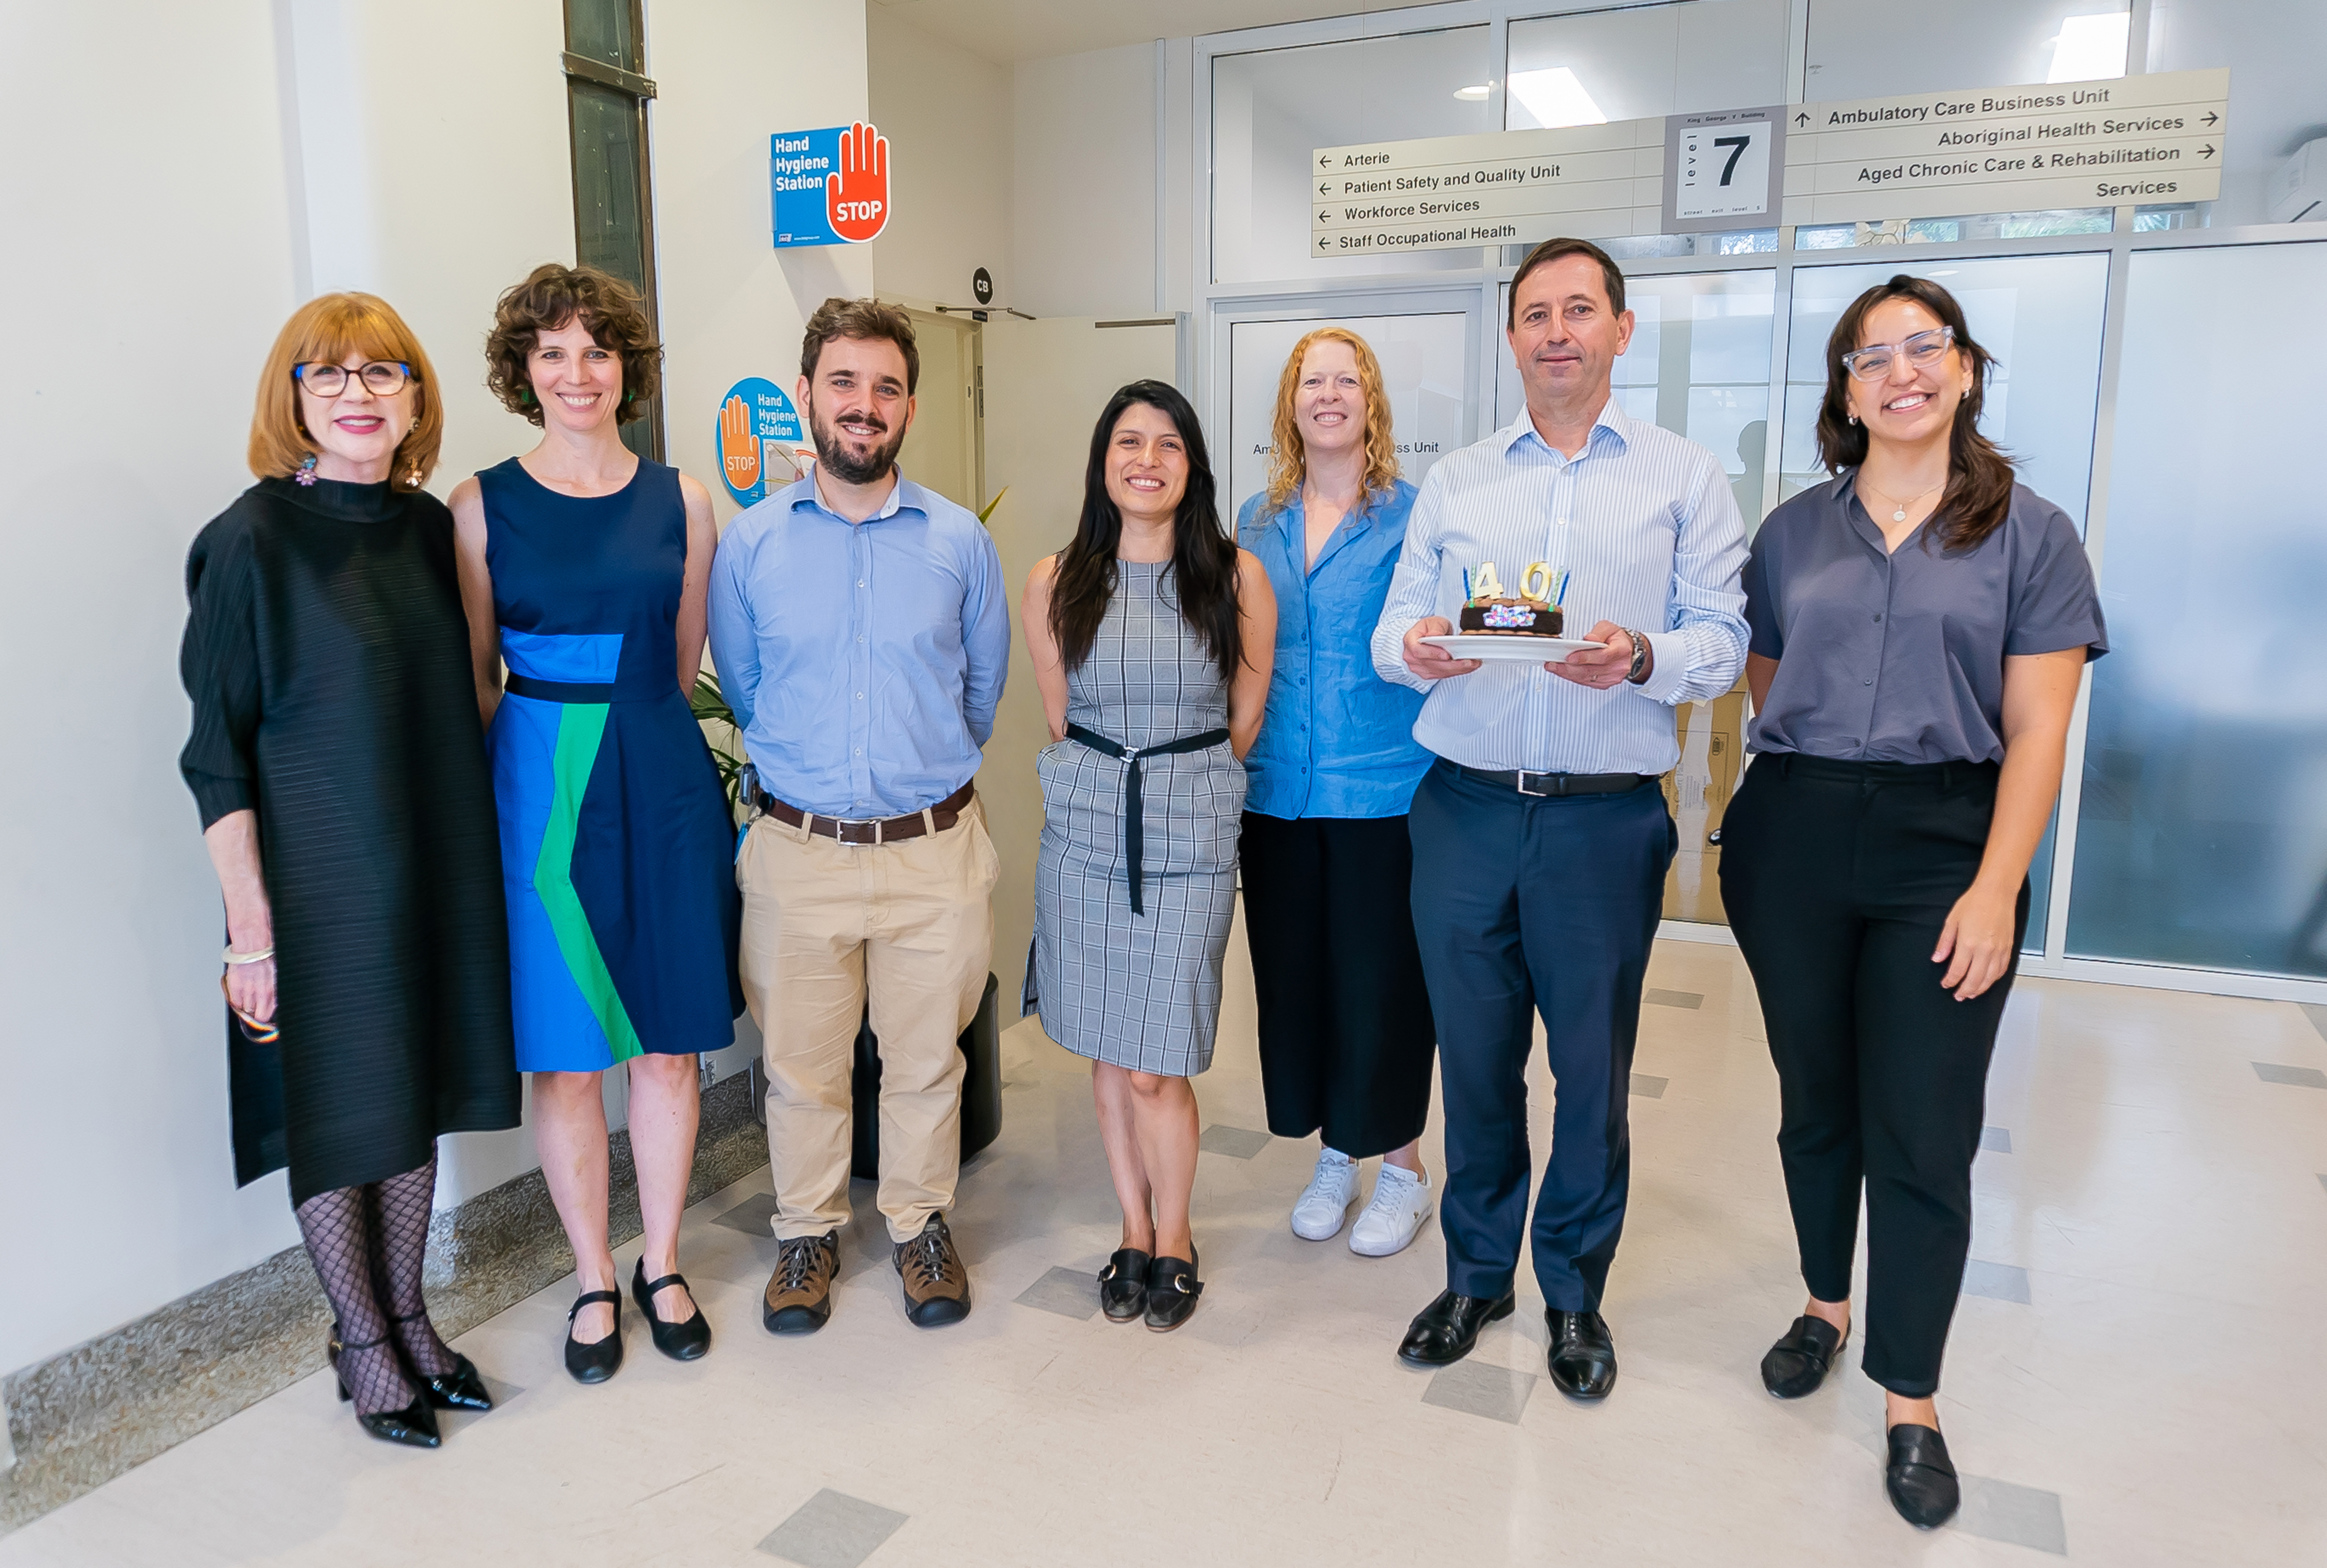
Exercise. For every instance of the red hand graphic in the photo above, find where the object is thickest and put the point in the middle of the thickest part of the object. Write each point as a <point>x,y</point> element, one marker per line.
<point>856,200</point>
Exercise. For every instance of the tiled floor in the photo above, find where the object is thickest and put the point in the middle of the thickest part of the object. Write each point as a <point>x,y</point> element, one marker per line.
<point>2135,1375</point>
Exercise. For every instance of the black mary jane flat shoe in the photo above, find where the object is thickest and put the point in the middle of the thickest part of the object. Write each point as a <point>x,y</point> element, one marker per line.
<point>1123,1285</point>
<point>1920,1478</point>
<point>683,1341</point>
<point>600,1358</point>
<point>1443,1332</point>
<point>462,1388</point>
<point>414,1426</point>
<point>1800,1359</point>
<point>1173,1288</point>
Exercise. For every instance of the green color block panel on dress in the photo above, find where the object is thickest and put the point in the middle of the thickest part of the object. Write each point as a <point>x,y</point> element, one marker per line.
<point>580,727</point>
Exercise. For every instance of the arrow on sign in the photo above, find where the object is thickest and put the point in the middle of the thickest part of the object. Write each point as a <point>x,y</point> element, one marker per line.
<point>1801,120</point>
<point>1324,217</point>
<point>1323,161</point>
<point>2207,151</point>
<point>1323,189</point>
<point>1323,240</point>
<point>2212,118</point>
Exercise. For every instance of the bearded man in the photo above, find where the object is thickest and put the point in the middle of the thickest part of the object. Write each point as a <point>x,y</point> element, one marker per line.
<point>862,635</point>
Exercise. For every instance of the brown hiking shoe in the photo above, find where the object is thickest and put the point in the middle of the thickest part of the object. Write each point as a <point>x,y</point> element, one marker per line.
<point>937,1285</point>
<point>799,1292</point>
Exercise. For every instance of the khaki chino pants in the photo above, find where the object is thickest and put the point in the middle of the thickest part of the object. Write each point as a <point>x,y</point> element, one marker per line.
<point>825,924</point>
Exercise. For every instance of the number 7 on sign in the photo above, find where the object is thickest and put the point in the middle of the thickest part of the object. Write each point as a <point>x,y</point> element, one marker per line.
<point>857,199</point>
<point>1736,145</point>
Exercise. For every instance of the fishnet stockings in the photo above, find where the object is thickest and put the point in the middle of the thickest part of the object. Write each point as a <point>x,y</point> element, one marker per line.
<point>337,1229</point>
<point>398,1210</point>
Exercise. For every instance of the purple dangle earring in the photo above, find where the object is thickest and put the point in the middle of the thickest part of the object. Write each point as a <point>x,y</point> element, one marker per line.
<point>306,474</point>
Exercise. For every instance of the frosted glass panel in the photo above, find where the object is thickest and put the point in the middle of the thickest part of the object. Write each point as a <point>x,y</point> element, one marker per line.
<point>1270,109</point>
<point>1425,364</point>
<point>2201,838</point>
<point>2274,49</point>
<point>1881,48</point>
<point>1646,61</point>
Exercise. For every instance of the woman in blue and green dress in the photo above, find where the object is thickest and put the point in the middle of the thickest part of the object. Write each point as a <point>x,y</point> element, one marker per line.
<point>584,567</point>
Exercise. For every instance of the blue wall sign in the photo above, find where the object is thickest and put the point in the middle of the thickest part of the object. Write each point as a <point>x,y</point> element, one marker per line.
<point>755,415</point>
<point>829,186</point>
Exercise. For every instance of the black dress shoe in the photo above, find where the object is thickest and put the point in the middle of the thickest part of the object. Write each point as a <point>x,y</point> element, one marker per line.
<point>1123,1285</point>
<point>600,1358</point>
<point>461,1389</point>
<point>1920,1478</point>
<point>1582,1357</point>
<point>1443,1332</point>
<point>1798,1362</point>
<point>683,1341</point>
<point>1173,1288</point>
<point>414,1425</point>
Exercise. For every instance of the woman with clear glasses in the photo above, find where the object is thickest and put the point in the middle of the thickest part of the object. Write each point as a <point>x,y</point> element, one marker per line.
<point>1920,624</point>
<point>340,770</point>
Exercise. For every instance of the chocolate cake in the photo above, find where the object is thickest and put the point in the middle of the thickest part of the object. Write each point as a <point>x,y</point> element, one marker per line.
<point>1510,617</point>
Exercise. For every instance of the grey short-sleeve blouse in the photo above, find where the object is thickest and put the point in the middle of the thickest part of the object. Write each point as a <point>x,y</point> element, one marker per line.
<point>1898,657</point>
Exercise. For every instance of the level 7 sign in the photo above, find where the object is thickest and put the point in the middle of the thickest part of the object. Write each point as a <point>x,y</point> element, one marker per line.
<point>1722,169</point>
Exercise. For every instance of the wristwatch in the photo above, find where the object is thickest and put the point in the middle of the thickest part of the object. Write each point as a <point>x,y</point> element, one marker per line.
<point>1640,670</point>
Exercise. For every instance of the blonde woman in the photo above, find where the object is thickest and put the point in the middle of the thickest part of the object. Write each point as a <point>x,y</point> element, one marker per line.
<point>1345,1042</point>
<point>339,770</point>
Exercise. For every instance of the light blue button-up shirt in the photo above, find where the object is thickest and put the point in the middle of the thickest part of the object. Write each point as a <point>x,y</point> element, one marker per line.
<point>1646,524</point>
<point>864,660</point>
<point>1336,740</point>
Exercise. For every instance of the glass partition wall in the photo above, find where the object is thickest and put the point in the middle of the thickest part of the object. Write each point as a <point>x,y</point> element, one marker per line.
<point>2190,849</point>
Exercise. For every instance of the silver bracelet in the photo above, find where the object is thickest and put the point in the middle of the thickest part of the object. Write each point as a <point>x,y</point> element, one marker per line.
<point>263,954</point>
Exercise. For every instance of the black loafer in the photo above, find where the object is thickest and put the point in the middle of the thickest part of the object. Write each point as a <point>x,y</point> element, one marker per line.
<point>1920,1478</point>
<point>1798,1362</point>
<point>1582,1357</point>
<point>600,1358</point>
<point>683,1341</point>
<point>1173,1288</point>
<point>1443,1332</point>
<point>1123,1285</point>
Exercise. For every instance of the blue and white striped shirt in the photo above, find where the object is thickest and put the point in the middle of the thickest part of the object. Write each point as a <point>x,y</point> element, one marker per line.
<point>1644,522</point>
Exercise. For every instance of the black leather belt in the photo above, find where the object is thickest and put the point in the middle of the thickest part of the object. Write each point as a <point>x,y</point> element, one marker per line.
<point>559,691</point>
<point>1553,784</point>
<point>884,830</point>
<point>1131,804</point>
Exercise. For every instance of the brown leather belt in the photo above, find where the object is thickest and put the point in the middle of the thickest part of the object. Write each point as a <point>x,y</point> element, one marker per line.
<point>881,830</point>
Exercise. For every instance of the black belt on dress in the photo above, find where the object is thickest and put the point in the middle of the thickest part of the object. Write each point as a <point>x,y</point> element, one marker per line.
<point>1131,804</point>
<point>559,691</point>
<point>1551,784</point>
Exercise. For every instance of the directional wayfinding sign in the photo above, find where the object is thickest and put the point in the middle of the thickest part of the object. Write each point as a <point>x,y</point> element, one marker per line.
<point>2097,143</point>
<point>2082,144</point>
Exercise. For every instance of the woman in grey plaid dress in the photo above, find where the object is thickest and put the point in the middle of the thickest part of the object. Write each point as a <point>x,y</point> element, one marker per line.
<point>1151,636</point>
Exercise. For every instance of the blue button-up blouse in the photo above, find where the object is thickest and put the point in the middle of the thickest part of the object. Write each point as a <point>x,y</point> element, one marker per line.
<point>1336,739</point>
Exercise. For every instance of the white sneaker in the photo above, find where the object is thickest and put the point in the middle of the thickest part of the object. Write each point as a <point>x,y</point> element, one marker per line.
<point>1392,1220</point>
<point>1324,1203</point>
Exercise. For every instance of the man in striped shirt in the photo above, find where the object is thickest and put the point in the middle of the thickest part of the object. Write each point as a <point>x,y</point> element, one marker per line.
<point>1540,836</point>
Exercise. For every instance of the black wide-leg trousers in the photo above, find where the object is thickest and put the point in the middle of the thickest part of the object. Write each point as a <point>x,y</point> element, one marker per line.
<point>1837,878</point>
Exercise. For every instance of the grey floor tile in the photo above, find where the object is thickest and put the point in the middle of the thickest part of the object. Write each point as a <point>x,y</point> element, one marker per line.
<point>1068,1291</point>
<point>2317,1013</point>
<point>1999,1282</point>
<point>1692,1000</point>
<point>2022,1516</point>
<point>2272,1072</point>
<point>1497,1392</point>
<point>1235,1143</point>
<point>752,1216</point>
<point>2323,1179</point>
<point>832,1530</point>
<point>1648,1088</point>
<point>1995,1140</point>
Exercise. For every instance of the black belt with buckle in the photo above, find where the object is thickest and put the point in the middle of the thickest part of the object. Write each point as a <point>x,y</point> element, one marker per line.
<point>1555,784</point>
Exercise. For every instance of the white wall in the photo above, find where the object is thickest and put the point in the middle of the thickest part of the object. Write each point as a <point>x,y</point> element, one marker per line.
<point>1084,195</point>
<point>947,116</point>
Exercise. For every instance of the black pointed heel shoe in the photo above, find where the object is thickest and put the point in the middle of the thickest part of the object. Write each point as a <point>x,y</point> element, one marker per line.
<point>1920,1478</point>
<point>601,1358</point>
<point>1173,1288</point>
<point>1123,1285</point>
<point>681,1342</point>
<point>1798,1362</point>
<point>462,1388</point>
<point>414,1426</point>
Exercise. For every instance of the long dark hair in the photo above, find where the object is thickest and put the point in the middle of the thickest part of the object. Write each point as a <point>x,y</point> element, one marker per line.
<point>1980,476</point>
<point>1203,567</point>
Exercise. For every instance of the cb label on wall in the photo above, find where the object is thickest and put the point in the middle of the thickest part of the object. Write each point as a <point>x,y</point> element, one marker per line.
<point>759,431</point>
<point>830,186</point>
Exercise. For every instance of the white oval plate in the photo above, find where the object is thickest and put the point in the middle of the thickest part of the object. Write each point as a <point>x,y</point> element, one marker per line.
<point>1522,650</point>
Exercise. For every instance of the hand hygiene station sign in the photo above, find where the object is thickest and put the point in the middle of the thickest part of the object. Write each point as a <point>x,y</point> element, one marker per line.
<point>2112,142</point>
<point>828,186</point>
<point>759,440</point>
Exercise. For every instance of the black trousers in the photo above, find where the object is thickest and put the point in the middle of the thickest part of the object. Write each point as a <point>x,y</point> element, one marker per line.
<point>1346,1043</point>
<point>1837,878</point>
<point>1529,905</point>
